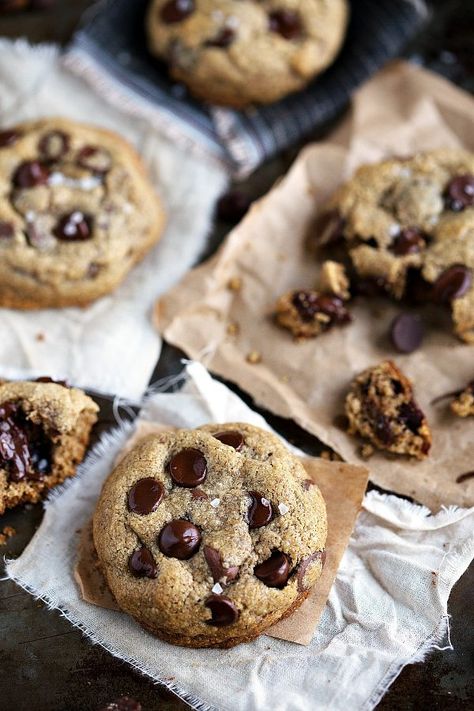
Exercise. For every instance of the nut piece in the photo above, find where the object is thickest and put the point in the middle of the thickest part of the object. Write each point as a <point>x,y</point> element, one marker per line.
<point>333,280</point>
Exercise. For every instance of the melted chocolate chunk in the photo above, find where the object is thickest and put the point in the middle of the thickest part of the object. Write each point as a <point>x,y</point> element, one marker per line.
<point>176,11</point>
<point>188,468</point>
<point>310,303</point>
<point>260,511</point>
<point>145,496</point>
<point>233,206</point>
<point>380,423</point>
<point>406,332</point>
<point>96,159</point>
<point>141,563</point>
<point>460,193</point>
<point>74,227</point>
<point>9,137</point>
<point>232,438</point>
<point>6,230</point>
<point>411,416</point>
<point>286,23</point>
<point>223,39</point>
<point>275,571</point>
<point>53,145</point>
<point>25,451</point>
<point>410,241</point>
<point>223,610</point>
<point>218,570</point>
<point>329,228</point>
<point>179,539</point>
<point>30,174</point>
<point>452,284</point>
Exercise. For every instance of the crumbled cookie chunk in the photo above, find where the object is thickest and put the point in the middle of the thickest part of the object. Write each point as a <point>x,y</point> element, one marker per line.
<point>76,213</point>
<point>307,313</point>
<point>334,280</point>
<point>463,403</point>
<point>216,569</point>
<point>381,408</point>
<point>241,53</point>
<point>44,432</point>
<point>407,228</point>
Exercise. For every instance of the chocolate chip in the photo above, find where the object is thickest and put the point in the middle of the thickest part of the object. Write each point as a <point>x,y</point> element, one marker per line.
<point>145,496</point>
<point>452,284</point>
<point>9,137</point>
<point>370,287</point>
<point>179,539</point>
<point>47,379</point>
<point>30,174</point>
<point>309,303</point>
<point>380,423</point>
<point>223,39</point>
<point>188,468</point>
<point>232,438</point>
<point>74,227</point>
<point>406,332</point>
<point>96,159</point>
<point>6,230</point>
<point>198,494</point>
<point>411,416</point>
<point>460,193</point>
<point>218,570</point>
<point>409,241</point>
<point>142,564</point>
<point>329,228</point>
<point>53,145</point>
<point>286,22</point>
<point>93,270</point>
<point>233,206</point>
<point>223,610</point>
<point>25,450</point>
<point>260,511</point>
<point>177,10</point>
<point>274,572</point>
<point>307,484</point>
<point>304,565</point>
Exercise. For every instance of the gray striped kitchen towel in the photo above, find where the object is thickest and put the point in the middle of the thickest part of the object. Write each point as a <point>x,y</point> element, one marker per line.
<point>110,51</point>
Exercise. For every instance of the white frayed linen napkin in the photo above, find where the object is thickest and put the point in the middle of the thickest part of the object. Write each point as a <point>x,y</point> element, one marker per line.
<point>111,346</point>
<point>387,607</point>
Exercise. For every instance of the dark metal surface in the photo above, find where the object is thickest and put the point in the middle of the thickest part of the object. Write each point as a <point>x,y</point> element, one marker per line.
<point>45,664</point>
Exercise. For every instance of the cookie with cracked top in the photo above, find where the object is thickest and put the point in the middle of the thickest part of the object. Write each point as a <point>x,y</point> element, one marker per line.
<point>243,53</point>
<point>216,569</point>
<point>381,408</point>
<point>77,211</point>
<point>406,227</point>
<point>44,433</point>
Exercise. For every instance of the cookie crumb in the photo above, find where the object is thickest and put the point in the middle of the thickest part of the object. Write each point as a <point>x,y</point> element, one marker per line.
<point>233,328</point>
<point>8,532</point>
<point>253,357</point>
<point>40,337</point>
<point>234,284</point>
<point>366,451</point>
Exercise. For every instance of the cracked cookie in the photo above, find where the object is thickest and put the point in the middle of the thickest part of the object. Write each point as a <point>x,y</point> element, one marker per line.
<point>380,407</point>
<point>407,227</point>
<point>76,213</point>
<point>242,53</point>
<point>207,537</point>
<point>44,433</point>
<point>463,403</point>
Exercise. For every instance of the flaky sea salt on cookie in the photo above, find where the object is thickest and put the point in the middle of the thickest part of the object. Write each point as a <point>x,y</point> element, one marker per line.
<point>207,537</point>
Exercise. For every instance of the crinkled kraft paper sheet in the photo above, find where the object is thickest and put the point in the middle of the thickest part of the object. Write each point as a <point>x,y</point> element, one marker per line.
<point>404,109</point>
<point>342,504</point>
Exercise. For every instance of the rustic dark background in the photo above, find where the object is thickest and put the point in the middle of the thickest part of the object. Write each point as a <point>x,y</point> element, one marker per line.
<point>45,664</point>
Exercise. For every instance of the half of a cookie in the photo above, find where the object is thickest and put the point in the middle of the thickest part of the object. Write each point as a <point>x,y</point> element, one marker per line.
<point>77,211</point>
<point>381,408</point>
<point>44,432</point>
<point>207,537</point>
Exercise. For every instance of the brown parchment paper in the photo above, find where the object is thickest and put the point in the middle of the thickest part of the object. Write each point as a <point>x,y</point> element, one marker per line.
<point>343,487</point>
<point>404,109</point>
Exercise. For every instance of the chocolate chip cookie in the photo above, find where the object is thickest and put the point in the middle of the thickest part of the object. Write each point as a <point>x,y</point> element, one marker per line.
<point>407,227</point>
<point>76,213</point>
<point>209,536</point>
<point>381,408</point>
<point>247,52</point>
<point>44,433</point>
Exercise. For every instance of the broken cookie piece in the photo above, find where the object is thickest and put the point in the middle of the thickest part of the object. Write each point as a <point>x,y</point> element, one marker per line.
<point>463,403</point>
<point>307,313</point>
<point>381,408</point>
<point>334,280</point>
<point>44,432</point>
